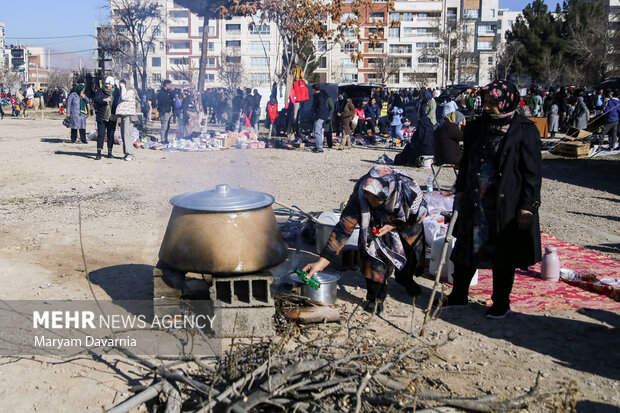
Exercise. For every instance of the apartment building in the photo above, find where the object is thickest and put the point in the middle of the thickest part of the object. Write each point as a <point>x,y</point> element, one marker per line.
<point>419,42</point>
<point>412,43</point>
<point>250,48</point>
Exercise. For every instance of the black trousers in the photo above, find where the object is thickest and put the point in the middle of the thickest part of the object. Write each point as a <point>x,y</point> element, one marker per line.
<point>105,129</point>
<point>74,133</point>
<point>371,124</point>
<point>1,112</point>
<point>503,279</point>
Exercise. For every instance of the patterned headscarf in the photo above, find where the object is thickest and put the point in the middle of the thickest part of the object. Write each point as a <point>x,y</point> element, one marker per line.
<point>402,199</point>
<point>505,93</point>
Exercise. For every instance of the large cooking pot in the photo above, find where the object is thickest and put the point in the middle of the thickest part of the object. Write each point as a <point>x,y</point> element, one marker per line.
<point>222,231</point>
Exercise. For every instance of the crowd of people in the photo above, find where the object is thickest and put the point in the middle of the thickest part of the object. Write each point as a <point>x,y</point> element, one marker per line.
<point>19,100</point>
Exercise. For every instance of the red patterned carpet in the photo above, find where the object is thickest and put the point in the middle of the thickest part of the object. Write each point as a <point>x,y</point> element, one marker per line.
<point>530,294</point>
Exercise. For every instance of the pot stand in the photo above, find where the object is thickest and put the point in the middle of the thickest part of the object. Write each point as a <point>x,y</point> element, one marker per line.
<point>243,303</point>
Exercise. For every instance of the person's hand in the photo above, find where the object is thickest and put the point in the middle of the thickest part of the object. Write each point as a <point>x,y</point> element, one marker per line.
<point>68,115</point>
<point>316,266</point>
<point>524,220</point>
<point>383,230</point>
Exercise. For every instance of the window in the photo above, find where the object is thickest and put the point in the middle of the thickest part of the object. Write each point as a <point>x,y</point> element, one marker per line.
<point>347,63</point>
<point>178,60</point>
<point>423,30</point>
<point>323,62</point>
<point>179,29</point>
<point>321,46</point>
<point>179,45</point>
<point>233,59</point>
<point>179,77</point>
<point>376,48</point>
<point>490,60</point>
<point>451,14</point>
<point>428,15</point>
<point>487,29</point>
<point>404,62</point>
<point>400,48</point>
<point>209,77</point>
<point>428,60</point>
<point>349,77</point>
<point>470,13</point>
<point>395,32</point>
<point>162,46</point>
<point>211,30</point>
<point>156,61</point>
<point>156,31</point>
<point>394,78</point>
<point>178,14</point>
<point>259,77</point>
<point>346,16</point>
<point>210,62</point>
<point>233,43</point>
<point>259,61</point>
<point>485,46</point>
<point>492,13</point>
<point>156,77</point>
<point>258,46</point>
<point>210,46</point>
<point>422,45</point>
<point>150,46</point>
<point>395,17</point>
<point>407,17</point>
<point>349,32</point>
<point>348,47</point>
<point>377,16</point>
<point>376,31</point>
<point>233,28</point>
<point>259,29</point>
<point>407,31</point>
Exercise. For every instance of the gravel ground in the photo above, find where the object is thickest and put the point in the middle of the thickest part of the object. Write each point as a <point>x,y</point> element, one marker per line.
<point>125,211</point>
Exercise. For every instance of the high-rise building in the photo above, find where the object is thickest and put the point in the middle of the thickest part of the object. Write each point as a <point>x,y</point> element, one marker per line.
<point>401,44</point>
<point>248,48</point>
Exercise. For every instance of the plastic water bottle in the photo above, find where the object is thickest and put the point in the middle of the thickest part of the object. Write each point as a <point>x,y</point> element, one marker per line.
<point>314,284</point>
<point>429,185</point>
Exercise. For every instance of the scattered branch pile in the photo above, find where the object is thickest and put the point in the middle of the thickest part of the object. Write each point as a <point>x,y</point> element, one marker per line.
<point>316,368</point>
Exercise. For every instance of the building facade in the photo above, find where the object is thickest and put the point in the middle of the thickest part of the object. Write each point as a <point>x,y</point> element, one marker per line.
<point>401,44</point>
<point>239,50</point>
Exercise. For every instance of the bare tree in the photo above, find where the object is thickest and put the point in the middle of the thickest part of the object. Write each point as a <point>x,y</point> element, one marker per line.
<point>553,66</point>
<point>230,70</point>
<point>450,45</point>
<point>10,78</point>
<point>385,66</point>
<point>138,23</point>
<point>112,47</point>
<point>61,79</point>
<point>506,55</point>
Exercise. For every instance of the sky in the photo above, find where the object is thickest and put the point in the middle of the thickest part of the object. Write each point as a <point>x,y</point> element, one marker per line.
<point>45,19</point>
<point>50,20</point>
<point>520,4</point>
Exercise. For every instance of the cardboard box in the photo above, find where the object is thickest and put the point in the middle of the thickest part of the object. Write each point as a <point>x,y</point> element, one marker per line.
<point>573,149</point>
<point>256,145</point>
<point>230,141</point>
<point>575,134</point>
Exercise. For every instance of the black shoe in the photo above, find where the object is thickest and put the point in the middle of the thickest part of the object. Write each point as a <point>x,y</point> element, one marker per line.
<point>316,150</point>
<point>98,157</point>
<point>85,142</point>
<point>73,140</point>
<point>374,307</point>
<point>498,312</point>
<point>450,302</point>
<point>109,156</point>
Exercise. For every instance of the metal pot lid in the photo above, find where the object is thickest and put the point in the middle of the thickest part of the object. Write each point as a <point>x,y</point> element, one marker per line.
<point>222,199</point>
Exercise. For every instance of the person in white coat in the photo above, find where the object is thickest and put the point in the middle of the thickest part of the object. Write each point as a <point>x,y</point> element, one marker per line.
<point>125,110</point>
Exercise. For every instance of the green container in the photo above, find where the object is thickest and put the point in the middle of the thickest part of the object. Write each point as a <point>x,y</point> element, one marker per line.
<point>314,284</point>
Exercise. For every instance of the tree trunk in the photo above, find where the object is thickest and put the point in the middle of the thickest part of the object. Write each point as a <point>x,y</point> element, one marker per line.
<point>143,76</point>
<point>203,54</point>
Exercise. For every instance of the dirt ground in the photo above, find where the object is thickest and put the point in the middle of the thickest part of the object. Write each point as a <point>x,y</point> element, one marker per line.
<point>125,210</point>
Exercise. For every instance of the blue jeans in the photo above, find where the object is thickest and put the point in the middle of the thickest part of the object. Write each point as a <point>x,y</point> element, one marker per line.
<point>395,130</point>
<point>318,133</point>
